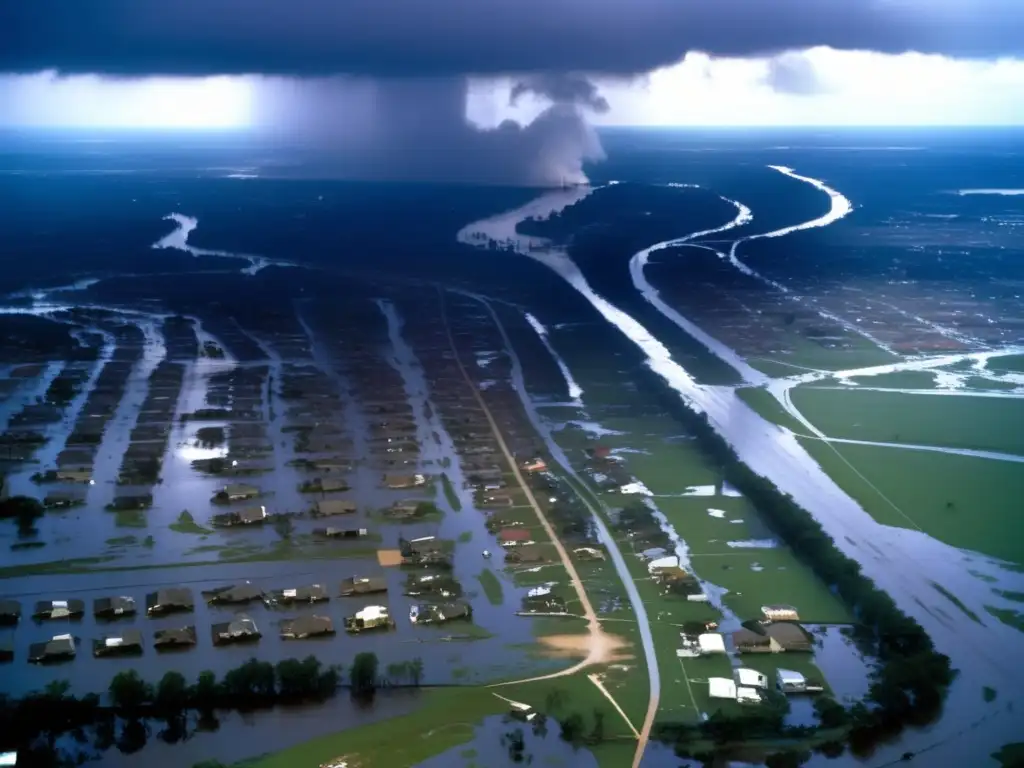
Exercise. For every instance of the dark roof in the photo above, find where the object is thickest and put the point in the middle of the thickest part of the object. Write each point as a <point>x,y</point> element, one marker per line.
<point>127,641</point>
<point>57,648</point>
<point>788,634</point>
<point>175,636</point>
<point>234,593</point>
<point>749,637</point>
<point>120,605</point>
<point>241,627</point>
<point>170,598</point>
<point>58,608</point>
<point>364,585</point>
<point>10,609</point>
<point>305,626</point>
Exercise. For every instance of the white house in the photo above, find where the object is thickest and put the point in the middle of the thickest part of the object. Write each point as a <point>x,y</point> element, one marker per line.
<point>724,688</point>
<point>750,678</point>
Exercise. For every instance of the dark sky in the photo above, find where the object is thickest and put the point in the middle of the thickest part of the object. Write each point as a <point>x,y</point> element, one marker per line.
<point>404,115</point>
<point>458,37</point>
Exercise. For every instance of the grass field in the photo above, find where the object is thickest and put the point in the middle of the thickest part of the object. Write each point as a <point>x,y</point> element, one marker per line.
<point>445,718</point>
<point>979,423</point>
<point>964,501</point>
<point>898,380</point>
<point>1007,363</point>
<point>449,493</point>
<point>492,587</point>
<point>767,407</point>
<point>808,354</point>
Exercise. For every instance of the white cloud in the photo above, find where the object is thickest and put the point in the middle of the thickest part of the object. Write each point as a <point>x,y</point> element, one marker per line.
<point>855,88</point>
<point>86,101</point>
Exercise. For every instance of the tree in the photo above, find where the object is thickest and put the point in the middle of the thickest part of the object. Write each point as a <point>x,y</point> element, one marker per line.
<point>129,692</point>
<point>205,692</point>
<point>788,759</point>
<point>572,729</point>
<point>397,671</point>
<point>597,732</point>
<point>24,510</point>
<point>416,670</point>
<point>56,689</point>
<point>172,693</point>
<point>363,675</point>
<point>554,700</point>
<point>830,712</point>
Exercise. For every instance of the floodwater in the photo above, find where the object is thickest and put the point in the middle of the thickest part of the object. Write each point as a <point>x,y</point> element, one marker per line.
<point>906,564</point>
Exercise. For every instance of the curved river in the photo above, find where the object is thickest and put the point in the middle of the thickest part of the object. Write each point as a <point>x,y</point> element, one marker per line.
<point>904,563</point>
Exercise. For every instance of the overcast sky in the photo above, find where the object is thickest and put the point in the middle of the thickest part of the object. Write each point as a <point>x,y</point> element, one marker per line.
<point>849,64</point>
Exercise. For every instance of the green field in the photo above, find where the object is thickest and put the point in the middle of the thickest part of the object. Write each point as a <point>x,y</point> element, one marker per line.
<point>953,421</point>
<point>807,354</point>
<point>767,407</point>
<point>898,380</point>
<point>445,718</point>
<point>962,500</point>
<point>1008,363</point>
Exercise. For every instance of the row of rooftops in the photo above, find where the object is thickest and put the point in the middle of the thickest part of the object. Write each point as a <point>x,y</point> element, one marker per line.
<point>179,599</point>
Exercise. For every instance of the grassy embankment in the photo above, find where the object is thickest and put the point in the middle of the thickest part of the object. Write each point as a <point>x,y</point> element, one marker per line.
<point>965,501</point>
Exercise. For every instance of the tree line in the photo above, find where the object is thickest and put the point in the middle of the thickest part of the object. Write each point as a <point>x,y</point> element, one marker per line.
<point>909,684</point>
<point>33,722</point>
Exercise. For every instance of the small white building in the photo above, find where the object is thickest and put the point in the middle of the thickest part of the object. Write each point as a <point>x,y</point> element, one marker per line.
<point>711,642</point>
<point>750,678</point>
<point>662,563</point>
<point>724,688</point>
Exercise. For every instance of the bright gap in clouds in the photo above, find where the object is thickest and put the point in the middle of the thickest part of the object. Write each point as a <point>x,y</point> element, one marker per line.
<point>820,86</point>
<point>46,100</point>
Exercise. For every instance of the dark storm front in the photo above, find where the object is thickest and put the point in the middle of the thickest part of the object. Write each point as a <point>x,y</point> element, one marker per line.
<point>192,395</point>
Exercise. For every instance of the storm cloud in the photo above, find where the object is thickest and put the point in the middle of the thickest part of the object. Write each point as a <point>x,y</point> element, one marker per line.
<point>382,83</point>
<point>793,73</point>
<point>421,38</point>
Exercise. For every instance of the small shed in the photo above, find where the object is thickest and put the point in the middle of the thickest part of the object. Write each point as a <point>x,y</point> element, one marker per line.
<point>655,567</point>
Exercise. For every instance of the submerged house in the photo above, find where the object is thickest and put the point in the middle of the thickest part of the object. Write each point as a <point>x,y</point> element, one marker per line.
<point>325,485</point>
<point>10,612</point>
<point>6,652</point>
<point>247,516</point>
<point>439,613</point>
<point>113,607</point>
<point>394,481</point>
<point>242,629</point>
<point>237,594</point>
<point>407,509</point>
<point>360,585</point>
<point>169,600</point>
<point>421,545</point>
<point>542,600</point>
<point>126,643</point>
<point>330,532</point>
<point>370,617</point>
<point>332,507</point>
<point>432,584</point>
<point>514,537</point>
<point>237,492</point>
<point>177,638</point>
<point>46,610</point>
<point>790,636</point>
<point>526,554</point>
<point>306,626</point>
<point>314,593</point>
<point>60,648</point>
